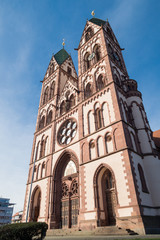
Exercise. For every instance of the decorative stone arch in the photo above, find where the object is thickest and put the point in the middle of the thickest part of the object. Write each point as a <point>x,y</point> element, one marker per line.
<point>58,218</point>
<point>35,204</point>
<point>109,200</point>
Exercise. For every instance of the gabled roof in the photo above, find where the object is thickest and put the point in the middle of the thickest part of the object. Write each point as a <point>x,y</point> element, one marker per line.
<point>97,21</point>
<point>61,56</point>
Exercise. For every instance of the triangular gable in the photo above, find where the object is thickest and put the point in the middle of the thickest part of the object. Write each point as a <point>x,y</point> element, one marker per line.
<point>88,24</point>
<point>69,86</point>
<point>51,67</point>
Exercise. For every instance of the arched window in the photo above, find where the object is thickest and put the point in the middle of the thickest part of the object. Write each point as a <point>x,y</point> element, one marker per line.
<point>70,168</point>
<point>97,51</point>
<point>42,151</point>
<point>72,100</point>
<point>63,107</point>
<point>45,97</point>
<point>51,68</point>
<point>98,118</point>
<point>41,123</point>
<point>142,178</point>
<point>52,90</point>
<point>69,70</point>
<point>89,34</point>
<point>88,90</point>
<point>100,82</point>
<point>92,150</point>
<point>86,62</point>
<point>49,117</point>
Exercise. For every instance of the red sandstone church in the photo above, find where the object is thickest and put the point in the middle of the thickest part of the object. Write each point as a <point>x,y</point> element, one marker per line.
<point>94,162</point>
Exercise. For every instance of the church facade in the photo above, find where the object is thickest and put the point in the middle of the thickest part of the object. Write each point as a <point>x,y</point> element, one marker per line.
<point>94,162</point>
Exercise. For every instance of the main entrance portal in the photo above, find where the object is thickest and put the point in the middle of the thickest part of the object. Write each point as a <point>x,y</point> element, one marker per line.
<point>66,196</point>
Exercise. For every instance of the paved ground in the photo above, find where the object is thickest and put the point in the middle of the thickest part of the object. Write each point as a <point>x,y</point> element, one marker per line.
<point>102,237</point>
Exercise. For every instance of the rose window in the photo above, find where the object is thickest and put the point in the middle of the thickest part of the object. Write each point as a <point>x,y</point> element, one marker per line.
<point>67,132</point>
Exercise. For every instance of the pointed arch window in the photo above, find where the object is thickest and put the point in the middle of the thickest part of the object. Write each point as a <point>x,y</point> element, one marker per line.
<point>89,34</point>
<point>70,168</point>
<point>88,90</point>
<point>142,178</point>
<point>43,146</point>
<point>100,82</point>
<point>49,117</point>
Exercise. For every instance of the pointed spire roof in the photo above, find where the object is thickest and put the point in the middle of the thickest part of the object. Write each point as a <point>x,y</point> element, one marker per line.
<point>61,56</point>
<point>97,21</point>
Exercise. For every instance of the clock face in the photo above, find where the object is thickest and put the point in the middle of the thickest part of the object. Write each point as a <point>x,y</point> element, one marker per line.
<point>67,132</point>
<point>91,56</point>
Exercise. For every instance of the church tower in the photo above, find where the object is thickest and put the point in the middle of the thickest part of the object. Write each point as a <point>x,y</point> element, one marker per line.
<point>94,162</point>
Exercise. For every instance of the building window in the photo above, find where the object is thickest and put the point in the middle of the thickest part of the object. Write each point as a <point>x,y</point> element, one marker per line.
<point>89,34</point>
<point>88,90</point>
<point>116,79</point>
<point>142,178</point>
<point>69,70</point>
<point>49,117</point>
<point>45,98</point>
<point>72,100</point>
<point>52,90</point>
<point>100,82</point>
<point>92,150</point>
<point>98,118</point>
<point>42,122</point>
<point>51,68</point>
<point>97,51</point>
<point>63,107</point>
<point>86,61</point>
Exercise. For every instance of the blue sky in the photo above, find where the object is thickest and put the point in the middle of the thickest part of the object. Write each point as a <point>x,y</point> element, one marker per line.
<point>30,32</point>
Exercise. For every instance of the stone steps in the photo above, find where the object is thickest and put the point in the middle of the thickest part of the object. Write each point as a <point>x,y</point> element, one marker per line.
<point>101,231</point>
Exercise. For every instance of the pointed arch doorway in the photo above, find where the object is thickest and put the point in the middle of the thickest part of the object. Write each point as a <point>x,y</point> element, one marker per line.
<point>105,196</point>
<point>66,192</point>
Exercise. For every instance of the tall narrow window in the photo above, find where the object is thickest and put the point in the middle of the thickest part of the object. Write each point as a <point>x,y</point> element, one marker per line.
<point>41,123</point>
<point>72,100</point>
<point>86,62</point>
<point>97,51</point>
<point>43,170</point>
<point>89,34</point>
<point>100,82</point>
<point>142,178</point>
<point>88,90</point>
<point>51,68</point>
<point>49,117</point>
<point>69,70</point>
<point>42,151</point>
<point>98,118</point>
<point>62,107</point>
<point>45,97</point>
<point>52,90</point>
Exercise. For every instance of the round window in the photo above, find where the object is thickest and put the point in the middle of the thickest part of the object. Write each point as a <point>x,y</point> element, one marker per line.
<point>67,132</point>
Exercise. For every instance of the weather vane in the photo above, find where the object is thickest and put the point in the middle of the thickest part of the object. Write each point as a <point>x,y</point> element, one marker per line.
<point>93,13</point>
<point>63,43</point>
